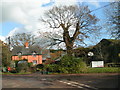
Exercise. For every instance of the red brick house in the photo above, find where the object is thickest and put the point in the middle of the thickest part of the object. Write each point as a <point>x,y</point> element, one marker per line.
<point>31,53</point>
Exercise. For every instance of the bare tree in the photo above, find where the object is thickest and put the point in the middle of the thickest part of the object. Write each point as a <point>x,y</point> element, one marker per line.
<point>20,38</point>
<point>75,22</point>
<point>113,19</point>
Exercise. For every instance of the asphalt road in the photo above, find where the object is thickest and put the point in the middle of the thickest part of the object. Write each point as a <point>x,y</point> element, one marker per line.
<point>73,81</point>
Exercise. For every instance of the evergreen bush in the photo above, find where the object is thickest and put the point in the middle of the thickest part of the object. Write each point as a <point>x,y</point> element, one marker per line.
<point>70,64</point>
<point>67,64</point>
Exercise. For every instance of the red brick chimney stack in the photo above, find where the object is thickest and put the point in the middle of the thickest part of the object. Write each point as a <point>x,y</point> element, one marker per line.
<point>26,45</point>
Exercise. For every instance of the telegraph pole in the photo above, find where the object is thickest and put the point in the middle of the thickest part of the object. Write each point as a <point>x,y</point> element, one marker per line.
<point>9,44</point>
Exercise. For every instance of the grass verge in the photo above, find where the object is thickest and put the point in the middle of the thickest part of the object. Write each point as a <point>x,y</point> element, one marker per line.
<point>104,70</point>
<point>89,70</point>
<point>8,73</point>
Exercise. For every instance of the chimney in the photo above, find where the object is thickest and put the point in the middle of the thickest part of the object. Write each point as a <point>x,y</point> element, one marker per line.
<point>26,45</point>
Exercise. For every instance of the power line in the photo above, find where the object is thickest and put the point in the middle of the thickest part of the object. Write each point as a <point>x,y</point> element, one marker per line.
<point>102,7</point>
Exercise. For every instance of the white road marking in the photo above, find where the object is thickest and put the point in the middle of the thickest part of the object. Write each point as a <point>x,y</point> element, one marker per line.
<point>83,85</point>
<point>68,83</point>
<point>76,84</point>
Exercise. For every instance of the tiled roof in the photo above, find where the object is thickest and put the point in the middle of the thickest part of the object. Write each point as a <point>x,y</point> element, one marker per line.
<point>23,50</point>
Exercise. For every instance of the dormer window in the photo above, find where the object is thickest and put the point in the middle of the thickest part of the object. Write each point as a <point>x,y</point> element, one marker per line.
<point>19,53</point>
<point>34,54</point>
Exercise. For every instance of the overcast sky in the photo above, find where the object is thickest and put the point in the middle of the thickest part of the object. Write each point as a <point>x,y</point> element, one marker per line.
<point>23,15</point>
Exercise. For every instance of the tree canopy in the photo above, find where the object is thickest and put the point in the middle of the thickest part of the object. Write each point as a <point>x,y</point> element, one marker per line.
<point>75,23</point>
<point>20,39</point>
<point>113,19</point>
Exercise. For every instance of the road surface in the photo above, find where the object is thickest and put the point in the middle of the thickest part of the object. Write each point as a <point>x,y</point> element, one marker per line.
<point>70,81</point>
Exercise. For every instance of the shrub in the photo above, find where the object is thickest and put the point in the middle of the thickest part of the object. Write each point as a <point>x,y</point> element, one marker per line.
<point>70,64</point>
<point>40,66</point>
<point>82,67</point>
<point>32,69</point>
<point>67,64</point>
<point>22,66</point>
<point>30,64</point>
<point>52,68</point>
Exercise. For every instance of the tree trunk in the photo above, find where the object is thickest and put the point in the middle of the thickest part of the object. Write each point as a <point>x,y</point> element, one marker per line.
<point>69,48</point>
<point>69,41</point>
<point>70,51</point>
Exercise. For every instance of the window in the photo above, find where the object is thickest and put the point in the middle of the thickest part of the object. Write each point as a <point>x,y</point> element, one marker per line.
<point>34,62</point>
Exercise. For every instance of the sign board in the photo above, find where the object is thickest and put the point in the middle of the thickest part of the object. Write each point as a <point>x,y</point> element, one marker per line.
<point>97,63</point>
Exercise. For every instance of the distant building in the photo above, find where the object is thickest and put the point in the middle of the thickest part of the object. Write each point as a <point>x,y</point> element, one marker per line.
<point>107,50</point>
<point>31,53</point>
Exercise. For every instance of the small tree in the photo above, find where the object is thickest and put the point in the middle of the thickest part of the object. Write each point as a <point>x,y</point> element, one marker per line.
<point>6,54</point>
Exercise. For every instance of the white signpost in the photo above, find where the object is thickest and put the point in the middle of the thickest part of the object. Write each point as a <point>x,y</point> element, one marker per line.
<point>97,63</point>
<point>90,53</point>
